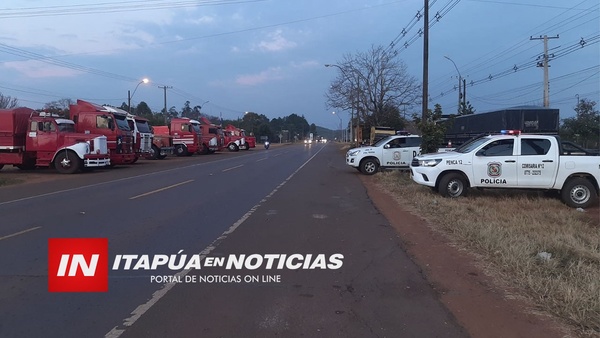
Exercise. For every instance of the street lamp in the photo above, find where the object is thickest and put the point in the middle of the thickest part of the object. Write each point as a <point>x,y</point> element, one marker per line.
<point>341,126</point>
<point>352,106</point>
<point>129,96</point>
<point>459,82</point>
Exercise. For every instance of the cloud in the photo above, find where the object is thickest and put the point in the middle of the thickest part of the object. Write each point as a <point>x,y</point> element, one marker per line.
<point>202,20</point>
<point>306,64</point>
<point>37,69</point>
<point>276,42</point>
<point>271,74</point>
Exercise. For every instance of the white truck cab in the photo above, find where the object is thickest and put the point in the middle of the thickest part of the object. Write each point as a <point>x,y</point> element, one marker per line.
<point>392,152</point>
<point>511,160</point>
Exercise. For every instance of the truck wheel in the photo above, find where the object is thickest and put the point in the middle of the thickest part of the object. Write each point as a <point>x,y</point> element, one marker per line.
<point>453,185</point>
<point>579,193</point>
<point>67,162</point>
<point>1,166</point>
<point>233,147</point>
<point>181,151</point>
<point>204,150</point>
<point>247,145</point>
<point>369,166</point>
<point>154,153</point>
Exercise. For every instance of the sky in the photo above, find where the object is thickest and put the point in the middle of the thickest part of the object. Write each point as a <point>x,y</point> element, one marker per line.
<point>268,56</point>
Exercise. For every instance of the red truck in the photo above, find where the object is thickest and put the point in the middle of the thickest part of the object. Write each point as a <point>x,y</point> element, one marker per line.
<point>186,133</point>
<point>91,118</point>
<point>29,139</point>
<point>247,141</point>
<point>214,131</point>
<point>234,139</point>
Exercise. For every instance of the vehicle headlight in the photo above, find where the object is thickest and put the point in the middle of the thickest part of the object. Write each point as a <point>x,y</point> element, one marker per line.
<point>429,163</point>
<point>353,152</point>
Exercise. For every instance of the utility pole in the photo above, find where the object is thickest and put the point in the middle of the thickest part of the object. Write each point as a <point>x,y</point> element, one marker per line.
<point>425,57</point>
<point>165,89</point>
<point>544,63</point>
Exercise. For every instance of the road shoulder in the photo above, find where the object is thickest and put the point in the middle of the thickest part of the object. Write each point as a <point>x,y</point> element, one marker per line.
<point>482,307</point>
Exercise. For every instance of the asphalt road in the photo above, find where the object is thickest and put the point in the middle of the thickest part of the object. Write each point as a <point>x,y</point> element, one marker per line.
<point>287,200</point>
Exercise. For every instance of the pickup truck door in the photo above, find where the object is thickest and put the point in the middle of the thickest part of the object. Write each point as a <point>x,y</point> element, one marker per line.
<point>495,165</point>
<point>395,154</point>
<point>537,162</point>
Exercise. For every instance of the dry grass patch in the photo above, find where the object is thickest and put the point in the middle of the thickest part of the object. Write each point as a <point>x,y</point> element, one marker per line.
<point>507,229</point>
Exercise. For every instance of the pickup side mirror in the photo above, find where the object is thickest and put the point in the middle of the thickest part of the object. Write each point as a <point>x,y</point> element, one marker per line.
<point>387,146</point>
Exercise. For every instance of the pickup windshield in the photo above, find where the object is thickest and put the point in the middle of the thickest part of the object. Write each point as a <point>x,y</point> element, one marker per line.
<point>382,141</point>
<point>470,146</point>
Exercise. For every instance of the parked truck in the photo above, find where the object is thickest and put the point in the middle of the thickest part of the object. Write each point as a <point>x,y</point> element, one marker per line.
<point>186,133</point>
<point>511,160</point>
<point>29,139</point>
<point>527,119</point>
<point>235,139</point>
<point>91,118</point>
<point>215,131</point>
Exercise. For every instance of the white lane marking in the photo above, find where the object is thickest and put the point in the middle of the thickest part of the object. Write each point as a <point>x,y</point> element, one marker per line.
<point>161,189</point>
<point>19,233</point>
<point>114,181</point>
<point>237,166</point>
<point>261,159</point>
<point>158,294</point>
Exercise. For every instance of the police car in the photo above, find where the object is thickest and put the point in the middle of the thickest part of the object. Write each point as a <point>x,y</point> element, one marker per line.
<point>392,152</point>
<point>512,160</point>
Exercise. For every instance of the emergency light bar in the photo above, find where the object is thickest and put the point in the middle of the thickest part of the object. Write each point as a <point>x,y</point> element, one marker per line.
<point>510,132</point>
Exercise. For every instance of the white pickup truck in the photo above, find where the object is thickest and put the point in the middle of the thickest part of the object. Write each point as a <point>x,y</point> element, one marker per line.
<point>392,152</point>
<point>513,160</point>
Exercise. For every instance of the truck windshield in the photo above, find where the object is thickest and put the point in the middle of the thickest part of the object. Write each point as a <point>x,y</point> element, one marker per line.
<point>66,127</point>
<point>195,127</point>
<point>122,123</point>
<point>143,126</point>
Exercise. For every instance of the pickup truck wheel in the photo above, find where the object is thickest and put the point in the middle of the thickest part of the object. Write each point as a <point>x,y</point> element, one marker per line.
<point>181,151</point>
<point>453,185</point>
<point>67,162</point>
<point>369,166</point>
<point>579,193</point>
<point>233,147</point>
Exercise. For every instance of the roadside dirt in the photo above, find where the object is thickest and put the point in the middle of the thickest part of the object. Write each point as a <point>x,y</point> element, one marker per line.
<point>482,306</point>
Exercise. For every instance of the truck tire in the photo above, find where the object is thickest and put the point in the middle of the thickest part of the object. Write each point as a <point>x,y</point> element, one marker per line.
<point>453,185</point>
<point>154,153</point>
<point>233,147</point>
<point>247,146</point>
<point>67,162</point>
<point>1,166</point>
<point>369,166</point>
<point>28,164</point>
<point>181,151</point>
<point>204,150</point>
<point>579,192</point>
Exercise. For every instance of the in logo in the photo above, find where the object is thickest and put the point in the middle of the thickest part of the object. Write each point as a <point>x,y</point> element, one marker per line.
<point>78,264</point>
<point>494,169</point>
<point>396,156</point>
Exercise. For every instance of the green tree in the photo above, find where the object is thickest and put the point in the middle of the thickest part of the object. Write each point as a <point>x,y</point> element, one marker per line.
<point>186,111</point>
<point>466,109</point>
<point>60,107</point>
<point>584,128</point>
<point>432,133</point>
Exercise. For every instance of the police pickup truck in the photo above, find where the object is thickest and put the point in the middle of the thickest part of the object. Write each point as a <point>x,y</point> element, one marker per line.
<point>513,160</point>
<point>392,152</point>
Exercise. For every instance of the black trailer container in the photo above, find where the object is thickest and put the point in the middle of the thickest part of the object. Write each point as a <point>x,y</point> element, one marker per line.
<point>528,119</point>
